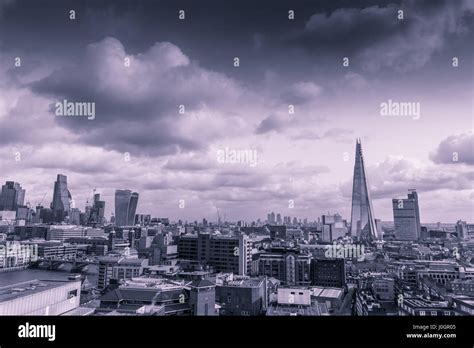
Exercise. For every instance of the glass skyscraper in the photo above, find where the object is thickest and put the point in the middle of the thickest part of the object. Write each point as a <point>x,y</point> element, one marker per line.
<point>61,204</point>
<point>125,207</point>
<point>406,217</point>
<point>362,216</point>
<point>12,196</point>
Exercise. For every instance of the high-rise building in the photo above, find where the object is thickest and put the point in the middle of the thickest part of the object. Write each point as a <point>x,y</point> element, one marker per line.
<point>12,196</point>
<point>125,207</point>
<point>272,218</point>
<point>328,272</point>
<point>96,212</point>
<point>223,253</point>
<point>61,199</point>
<point>406,216</point>
<point>362,216</point>
<point>278,219</point>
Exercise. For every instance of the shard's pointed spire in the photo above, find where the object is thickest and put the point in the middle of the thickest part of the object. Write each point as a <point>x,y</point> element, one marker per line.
<point>362,218</point>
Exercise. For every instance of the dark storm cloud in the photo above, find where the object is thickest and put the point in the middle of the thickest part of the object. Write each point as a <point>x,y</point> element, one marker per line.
<point>458,148</point>
<point>376,38</point>
<point>135,103</point>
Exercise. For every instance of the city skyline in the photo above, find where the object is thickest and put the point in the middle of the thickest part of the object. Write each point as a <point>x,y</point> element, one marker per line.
<point>140,138</point>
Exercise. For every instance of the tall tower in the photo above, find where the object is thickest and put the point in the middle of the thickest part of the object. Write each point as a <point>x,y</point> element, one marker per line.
<point>125,207</point>
<point>12,196</point>
<point>362,216</point>
<point>406,217</point>
<point>61,199</point>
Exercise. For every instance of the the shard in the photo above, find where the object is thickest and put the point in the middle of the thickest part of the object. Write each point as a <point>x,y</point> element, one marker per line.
<point>362,216</point>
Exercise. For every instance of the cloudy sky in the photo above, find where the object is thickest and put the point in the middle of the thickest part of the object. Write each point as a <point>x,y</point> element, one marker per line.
<point>139,140</point>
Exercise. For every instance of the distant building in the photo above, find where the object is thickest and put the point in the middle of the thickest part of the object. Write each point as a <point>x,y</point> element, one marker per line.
<point>296,302</point>
<point>418,306</point>
<point>328,272</point>
<point>54,249</point>
<point>61,204</point>
<point>148,296</point>
<point>463,287</point>
<point>362,215</point>
<point>63,232</point>
<point>406,216</point>
<point>289,265</point>
<point>12,196</point>
<point>31,231</point>
<point>463,305</point>
<point>106,269</point>
<point>202,297</point>
<point>384,288</point>
<point>125,207</point>
<point>243,296</point>
<point>119,268</point>
<point>277,231</point>
<point>223,253</point>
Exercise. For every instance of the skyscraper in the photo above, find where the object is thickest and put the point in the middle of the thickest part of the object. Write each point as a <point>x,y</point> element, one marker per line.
<point>125,207</point>
<point>362,216</point>
<point>12,196</point>
<point>406,217</point>
<point>96,213</point>
<point>61,199</point>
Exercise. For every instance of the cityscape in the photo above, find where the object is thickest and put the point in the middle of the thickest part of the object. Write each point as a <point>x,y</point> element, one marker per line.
<point>138,264</point>
<point>236,159</point>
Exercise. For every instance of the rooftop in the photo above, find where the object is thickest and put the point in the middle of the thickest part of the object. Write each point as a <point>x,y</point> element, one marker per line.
<point>15,291</point>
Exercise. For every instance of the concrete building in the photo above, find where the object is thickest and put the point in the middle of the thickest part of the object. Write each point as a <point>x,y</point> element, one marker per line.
<point>63,232</point>
<point>422,307</point>
<point>328,272</point>
<point>289,265</point>
<point>40,297</point>
<point>242,296</point>
<point>12,196</point>
<point>202,297</point>
<point>223,253</point>
<point>406,217</point>
<point>296,302</point>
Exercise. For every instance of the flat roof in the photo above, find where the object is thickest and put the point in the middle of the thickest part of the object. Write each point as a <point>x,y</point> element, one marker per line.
<point>18,290</point>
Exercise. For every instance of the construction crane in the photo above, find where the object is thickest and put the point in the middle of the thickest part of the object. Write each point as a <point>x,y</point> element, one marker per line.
<point>42,199</point>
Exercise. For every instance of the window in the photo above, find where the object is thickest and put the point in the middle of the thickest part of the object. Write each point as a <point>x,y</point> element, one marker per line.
<point>72,293</point>
<point>422,312</point>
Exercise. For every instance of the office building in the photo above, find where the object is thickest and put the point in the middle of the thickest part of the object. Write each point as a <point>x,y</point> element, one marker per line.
<point>12,196</point>
<point>328,272</point>
<point>61,199</point>
<point>223,253</point>
<point>406,217</point>
<point>242,296</point>
<point>63,232</point>
<point>202,297</point>
<point>362,215</point>
<point>289,265</point>
<point>125,207</point>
